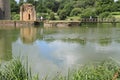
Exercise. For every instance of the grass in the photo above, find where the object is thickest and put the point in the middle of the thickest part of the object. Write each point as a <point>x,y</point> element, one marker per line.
<point>14,70</point>
<point>103,71</point>
<point>74,18</point>
<point>115,14</point>
<point>106,70</point>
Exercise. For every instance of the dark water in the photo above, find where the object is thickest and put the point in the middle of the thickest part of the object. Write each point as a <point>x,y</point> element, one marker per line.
<point>52,50</point>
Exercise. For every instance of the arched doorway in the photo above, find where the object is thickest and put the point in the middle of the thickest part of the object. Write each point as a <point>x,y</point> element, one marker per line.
<point>28,16</point>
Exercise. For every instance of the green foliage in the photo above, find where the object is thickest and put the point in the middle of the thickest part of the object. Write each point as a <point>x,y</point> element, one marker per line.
<point>14,70</point>
<point>52,16</point>
<point>56,6</point>
<point>75,12</point>
<point>62,14</point>
<point>68,7</point>
<point>15,16</point>
<point>88,12</point>
<point>104,15</point>
<point>14,6</point>
<point>72,7</point>
<point>115,13</point>
<point>49,5</point>
<point>21,2</point>
<point>30,1</point>
<point>103,71</point>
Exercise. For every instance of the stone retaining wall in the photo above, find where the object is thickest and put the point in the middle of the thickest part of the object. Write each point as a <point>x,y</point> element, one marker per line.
<point>10,23</point>
<point>61,24</point>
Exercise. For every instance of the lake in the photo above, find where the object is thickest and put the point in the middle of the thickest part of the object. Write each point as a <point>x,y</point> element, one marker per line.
<point>53,50</point>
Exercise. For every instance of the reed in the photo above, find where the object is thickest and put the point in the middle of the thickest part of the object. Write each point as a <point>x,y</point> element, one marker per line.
<point>14,70</point>
<point>106,70</point>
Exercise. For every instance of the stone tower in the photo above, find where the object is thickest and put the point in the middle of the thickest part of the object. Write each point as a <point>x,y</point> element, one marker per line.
<point>5,12</point>
<point>27,12</point>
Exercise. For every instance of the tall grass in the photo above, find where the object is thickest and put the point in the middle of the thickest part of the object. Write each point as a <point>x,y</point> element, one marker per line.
<point>14,70</point>
<point>106,70</point>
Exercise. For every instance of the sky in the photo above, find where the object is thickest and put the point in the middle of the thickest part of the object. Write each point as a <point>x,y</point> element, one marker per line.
<point>115,0</point>
<point>17,0</point>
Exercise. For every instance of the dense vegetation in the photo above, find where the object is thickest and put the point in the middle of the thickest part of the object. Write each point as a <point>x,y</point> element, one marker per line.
<point>15,70</point>
<point>70,9</point>
<point>106,70</point>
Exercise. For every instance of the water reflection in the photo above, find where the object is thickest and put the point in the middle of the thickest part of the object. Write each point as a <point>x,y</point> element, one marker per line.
<point>56,49</point>
<point>28,34</point>
<point>53,49</point>
<point>76,40</point>
<point>105,41</point>
<point>6,39</point>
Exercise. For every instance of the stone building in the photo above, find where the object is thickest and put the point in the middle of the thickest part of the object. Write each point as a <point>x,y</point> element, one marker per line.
<point>27,12</point>
<point>5,13</point>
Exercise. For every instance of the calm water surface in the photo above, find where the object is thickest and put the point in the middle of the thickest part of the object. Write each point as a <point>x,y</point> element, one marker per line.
<point>52,50</point>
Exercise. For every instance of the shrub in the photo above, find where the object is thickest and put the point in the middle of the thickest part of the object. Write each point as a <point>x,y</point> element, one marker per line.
<point>88,13</point>
<point>62,14</point>
<point>15,16</point>
<point>104,15</point>
<point>75,12</point>
<point>52,16</point>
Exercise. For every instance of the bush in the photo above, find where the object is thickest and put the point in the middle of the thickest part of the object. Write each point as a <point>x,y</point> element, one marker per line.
<point>52,16</point>
<point>87,13</point>
<point>62,14</point>
<point>75,12</point>
<point>15,16</point>
<point>68,7</point>
<point>104,15</point>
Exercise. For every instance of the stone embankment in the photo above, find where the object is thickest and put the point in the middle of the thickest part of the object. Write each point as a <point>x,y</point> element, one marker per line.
<point>61,23</point>
<point>17,23</point>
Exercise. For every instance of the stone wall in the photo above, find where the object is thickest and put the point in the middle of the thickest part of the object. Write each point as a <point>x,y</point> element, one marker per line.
<point>27,12</point>
<point>5,13</point>
<point>11,23</point>
<point>62,24</point>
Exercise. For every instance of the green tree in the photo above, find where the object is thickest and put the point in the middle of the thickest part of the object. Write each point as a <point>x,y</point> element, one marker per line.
<point>56,6</point>
<point>68,7</point>
<point>117,4</point>
<point>21,2</point>
<point>30,1</point>
<point>52,16</point>
<point>15,16</point>
<point>104,15</point>
<point>75,12</point>
<point>88,12</point>
<point>14,6</point>
<point>62,15</point>
<point>49,5</point>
